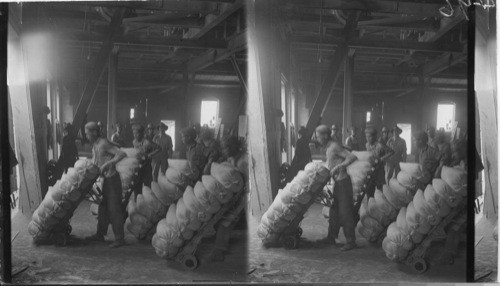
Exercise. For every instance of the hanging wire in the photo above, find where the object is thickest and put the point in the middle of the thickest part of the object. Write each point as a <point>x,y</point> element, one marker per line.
<point>448,11</point>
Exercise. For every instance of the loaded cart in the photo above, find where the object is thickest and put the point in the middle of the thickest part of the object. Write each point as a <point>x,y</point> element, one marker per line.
<point>50,221</point>
<point>187,253</point>
<point>417,256</point>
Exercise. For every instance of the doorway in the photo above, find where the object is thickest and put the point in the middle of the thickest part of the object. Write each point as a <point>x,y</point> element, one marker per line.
<point>170,131</point>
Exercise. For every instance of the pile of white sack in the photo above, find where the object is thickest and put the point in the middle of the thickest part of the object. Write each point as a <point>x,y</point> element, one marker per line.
<point>62,199</point>
<point>425,211</point>
<point>381,210</point>
<point>148,208</point>
<point>196,206</point>
<point>292,200</point>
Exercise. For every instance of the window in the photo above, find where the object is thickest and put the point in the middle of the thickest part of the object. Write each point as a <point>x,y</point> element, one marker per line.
<point>445,116</point>
<point>406,135</point>
<point>209,112</point>
<point>368,116</point>
<point>132,113</point>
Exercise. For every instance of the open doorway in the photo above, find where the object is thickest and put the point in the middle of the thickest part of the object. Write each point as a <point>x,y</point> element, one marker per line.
<point>445,116</point>
<point>209,113</point>
<point>170,131</point>
<point>406,135</point>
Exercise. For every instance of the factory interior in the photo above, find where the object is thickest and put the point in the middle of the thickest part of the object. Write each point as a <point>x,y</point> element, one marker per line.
<point>365,64</point>
<point>178,64</point>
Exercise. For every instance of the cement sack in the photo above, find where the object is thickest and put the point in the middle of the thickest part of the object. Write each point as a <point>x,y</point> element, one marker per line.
<point>456,178</point>
<point>140,219</point>
<point>391,197</point>
<point>158,209</point>
<point>371,234</point>
<point>208,200</point>
<point>131,152</point>
<point>194,206</point>
<point>364,156</point>
<point>384,205</point>
<point>161,248</point>
<point>359,169</point>
<point>293,193</point>
<point>187,234</point>
<point>170,190</point>
<point>408,181</point>
<point>228,176</point>
<point>222,194</point>
<point>403,194</point>
<point>177,178</point>
<point>398,237</point>
<point>301,179</point>
<point>393,251</point>
<point>416,222</point>
<point>160,195</point>
<point>171,217</point>
<point>170,233</point>
<point>424,210</point>
<point>414,170</point>
<point>184,166</point>
<point>437,205</point>
<point>186,217</point>
<point>447,193</point>
<point>266,234</point>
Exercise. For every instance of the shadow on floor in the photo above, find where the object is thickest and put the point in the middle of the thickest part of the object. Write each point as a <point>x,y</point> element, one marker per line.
<point>316,263</point>
<point>136,262</point>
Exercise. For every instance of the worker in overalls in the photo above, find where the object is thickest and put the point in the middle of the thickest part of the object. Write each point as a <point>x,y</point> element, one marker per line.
<point>147,149</point>
<point>342,211</point>
<point>105,155</point>
<point>381,153</point>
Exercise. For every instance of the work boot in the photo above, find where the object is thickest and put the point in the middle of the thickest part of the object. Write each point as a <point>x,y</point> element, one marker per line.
<point>327,240</point>
<point>117,243</point>
<point>96,237</point>
<point>348,246</point>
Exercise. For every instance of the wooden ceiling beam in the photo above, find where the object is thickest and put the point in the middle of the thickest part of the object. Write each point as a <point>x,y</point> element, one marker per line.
<point>230,9</point>
<point>442,63</point>
<point>447,25</point>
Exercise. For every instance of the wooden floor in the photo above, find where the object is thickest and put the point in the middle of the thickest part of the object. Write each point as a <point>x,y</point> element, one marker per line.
<point>133,263</point>
<point>316,263</point>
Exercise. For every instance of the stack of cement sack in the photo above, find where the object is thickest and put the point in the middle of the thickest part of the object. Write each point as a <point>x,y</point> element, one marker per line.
<point>359,172</point>
<point>426,210</point>
<point>378,212</point>
<point>196,207</point>
<point>62,199</point>
<point>292,201</point>
<point>151,206</point>
<point>128,167</point>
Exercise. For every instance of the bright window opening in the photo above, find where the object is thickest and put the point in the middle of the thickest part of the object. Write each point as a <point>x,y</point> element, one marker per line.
<point>445,116</point>
<point>209,113</point>
<point>132,113</point>
<point>368,116</point>
<point>406,135</point>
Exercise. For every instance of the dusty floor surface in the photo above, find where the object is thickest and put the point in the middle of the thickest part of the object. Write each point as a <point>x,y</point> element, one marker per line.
<point>485,252</point>
<point>133,263</point>
<point>316,263</point>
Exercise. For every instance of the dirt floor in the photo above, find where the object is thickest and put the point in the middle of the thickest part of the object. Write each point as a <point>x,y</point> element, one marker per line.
<point>97,263</point>
<point>486,252</point>
<point>312,262</point>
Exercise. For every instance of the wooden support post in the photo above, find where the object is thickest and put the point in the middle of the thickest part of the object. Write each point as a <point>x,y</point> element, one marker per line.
<point>288,113</point>
<point>332,75</point>
<point>99,66</point>
<point>54,117</point>
<point>347,105</point>
<point>30,195</point>
<point>112,68</point>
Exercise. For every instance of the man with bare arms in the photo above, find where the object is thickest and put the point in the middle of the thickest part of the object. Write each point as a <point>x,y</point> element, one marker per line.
<point>105,155</point>
<point>342,211</point>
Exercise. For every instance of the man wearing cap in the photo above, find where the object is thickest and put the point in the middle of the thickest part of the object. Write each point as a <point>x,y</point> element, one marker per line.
<point>398,146</point>
<point>194,150</point>
<point>148,149</point>
<point>105,155</point>
<point>117,137</point>
<point>160,159</point>
<point>382,153</point>
<point>336,135</point>
<point>342,211</point>
<point>428,157</point>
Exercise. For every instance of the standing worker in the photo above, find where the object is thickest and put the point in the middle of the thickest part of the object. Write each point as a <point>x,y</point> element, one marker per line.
<point>194,151</point>
<point>118,137</point>
<point>150,132</point>
<point>147,149</point>
<point>336,135</point>
<point>105,155</point>
<point>160,160</point>
<point>382,153</point>
<point>428,157</point>
<point>431,134</point>
<point>211,150</point>
<point>352,142</point>
<point>302,154</point>
<point>398,146</point>
<point>69,152</point>
<point>342,211</point>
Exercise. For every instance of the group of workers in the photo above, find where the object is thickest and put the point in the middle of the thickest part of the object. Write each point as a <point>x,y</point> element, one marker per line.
<point>433,152</point>
<point>156,148</point>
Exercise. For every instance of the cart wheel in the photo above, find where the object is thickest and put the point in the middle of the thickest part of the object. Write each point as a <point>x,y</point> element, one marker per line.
<point>59,239</point>
<point>190,262</point>
<point>299,232</point>
<point>419,265</point>
<point>290,242</point>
